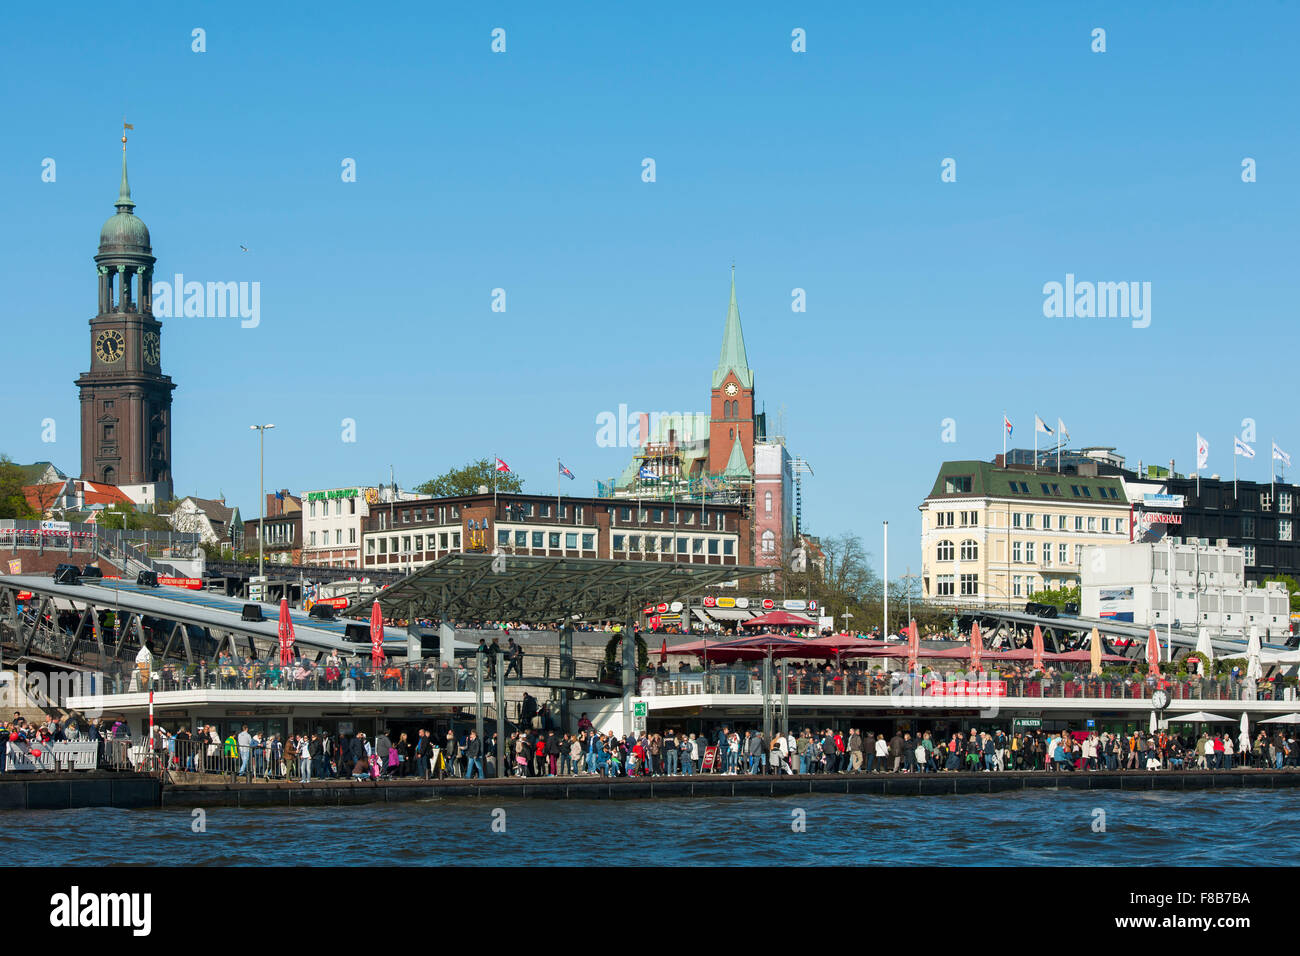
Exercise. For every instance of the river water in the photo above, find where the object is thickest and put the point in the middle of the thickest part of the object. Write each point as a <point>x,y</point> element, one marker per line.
<point>1066,827</point>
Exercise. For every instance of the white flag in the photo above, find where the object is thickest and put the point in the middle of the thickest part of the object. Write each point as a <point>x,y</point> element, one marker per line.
<point>1239,447</point>
<point>1041,425</point>
<point>1060,426</point>
<point>1202,452</point>
<point>1280,455</point>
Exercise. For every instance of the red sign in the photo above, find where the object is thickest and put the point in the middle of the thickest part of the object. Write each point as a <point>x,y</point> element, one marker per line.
<point>662,608</point>
<point>710,602</point>
<point>193,584</point>
<point>968,688</point>
<point>339,603</point>
<point>24,595</point>
<point>710,755</point>
<point>768,604</point>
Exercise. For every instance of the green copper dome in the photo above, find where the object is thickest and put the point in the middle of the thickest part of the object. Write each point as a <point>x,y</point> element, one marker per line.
<point>124,232</point>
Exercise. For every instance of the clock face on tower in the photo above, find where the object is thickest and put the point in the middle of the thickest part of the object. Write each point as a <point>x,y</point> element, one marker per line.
<point>109,346</point>
<point>151,348</point>
<point>731,388</point>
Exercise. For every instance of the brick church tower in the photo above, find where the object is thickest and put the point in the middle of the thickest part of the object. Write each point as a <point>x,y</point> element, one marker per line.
<point>126,401</point>
<point>731,412</point>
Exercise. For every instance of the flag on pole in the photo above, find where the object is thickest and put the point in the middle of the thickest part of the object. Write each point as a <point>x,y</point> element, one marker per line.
<point>1040,425</point>
<point>502,466</point>
<point>1202,452</point>
<point>1006,423</point>
<point>564,471</point>
<point>1280,455</point>
<point>1060,427</point>
<point>1239,447</point>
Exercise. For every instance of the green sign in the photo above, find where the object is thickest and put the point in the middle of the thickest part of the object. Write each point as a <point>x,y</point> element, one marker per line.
<point>336,493</point>
<point>639,708</point>
<point>1027,723</point>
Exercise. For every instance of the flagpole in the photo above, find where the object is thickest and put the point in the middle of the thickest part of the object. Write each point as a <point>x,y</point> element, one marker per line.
<point>1234,471</point>
<point>1272,470</point>
<point>1004,437</point>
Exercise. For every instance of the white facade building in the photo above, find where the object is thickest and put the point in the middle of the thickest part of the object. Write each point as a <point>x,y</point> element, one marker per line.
<point>332,519</point>
<point>1130,582</point>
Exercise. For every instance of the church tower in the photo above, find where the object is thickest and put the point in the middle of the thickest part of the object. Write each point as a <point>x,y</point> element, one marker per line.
<point>126,401</point>
<point>731,415</point>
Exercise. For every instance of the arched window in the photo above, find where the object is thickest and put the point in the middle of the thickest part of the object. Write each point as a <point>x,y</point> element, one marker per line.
<point>769,542</point>
<point>767,501</point>
<point>110,475</point>
<point>945,551</point>
<point>970,550</point>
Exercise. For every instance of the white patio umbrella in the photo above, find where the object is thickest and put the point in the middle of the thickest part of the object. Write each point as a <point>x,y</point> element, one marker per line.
<point>1203,643</point>
<point>1198,717</point>
<point>1154,725</point>
<point>1245,733</point>
<point>1283,719</point>
<point>1253,669</point>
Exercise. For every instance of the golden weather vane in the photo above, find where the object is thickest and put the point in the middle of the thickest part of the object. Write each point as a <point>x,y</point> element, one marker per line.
<point>125,126</point>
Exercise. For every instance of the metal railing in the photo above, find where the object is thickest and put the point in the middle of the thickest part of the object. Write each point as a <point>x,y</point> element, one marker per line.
<point>730,680</point>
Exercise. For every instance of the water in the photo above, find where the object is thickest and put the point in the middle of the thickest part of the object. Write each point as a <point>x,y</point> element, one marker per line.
<point>1201,828</point>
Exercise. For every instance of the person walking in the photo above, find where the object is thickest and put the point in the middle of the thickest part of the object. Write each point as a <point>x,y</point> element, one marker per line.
<point>304,759</point>
<point>474,756</point>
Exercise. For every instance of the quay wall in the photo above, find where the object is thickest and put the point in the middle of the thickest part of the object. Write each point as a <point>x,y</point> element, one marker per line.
<point>74,791</point>
<point>343,793</point>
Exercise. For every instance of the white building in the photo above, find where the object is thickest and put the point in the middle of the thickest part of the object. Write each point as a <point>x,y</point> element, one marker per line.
<point>1130,582</point>
<point>332,519</point>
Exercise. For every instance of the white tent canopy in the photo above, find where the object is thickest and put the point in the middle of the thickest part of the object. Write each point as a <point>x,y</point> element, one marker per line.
<point>1283,719</point>
<point>1198,717</point>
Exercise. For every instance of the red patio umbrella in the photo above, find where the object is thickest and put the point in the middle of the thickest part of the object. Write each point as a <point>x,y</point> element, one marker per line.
<point>376,635</point>
<point>286,633</point>
<point>779,619</point>
<point>663,652</point>
<point>976,645</point>
<point>1153,653</point>
<point>1038,648</point>
<point>913,645</point>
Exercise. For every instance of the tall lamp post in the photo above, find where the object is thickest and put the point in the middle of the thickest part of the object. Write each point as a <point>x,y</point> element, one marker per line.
<point>261,491</point>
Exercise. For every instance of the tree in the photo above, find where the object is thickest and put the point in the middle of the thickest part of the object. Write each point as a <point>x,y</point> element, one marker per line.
<point>1291,588</point>
<point>468,480</point>
<point>124,516</point>
<point>13,503</point>
<point>1057,598</point>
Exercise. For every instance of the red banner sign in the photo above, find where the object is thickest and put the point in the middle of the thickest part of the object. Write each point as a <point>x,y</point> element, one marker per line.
<point>338,603</point>
<point>967,688</point>
<point>193,584</point>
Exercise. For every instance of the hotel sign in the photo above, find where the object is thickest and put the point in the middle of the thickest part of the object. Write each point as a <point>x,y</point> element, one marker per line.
<point>336,493</point>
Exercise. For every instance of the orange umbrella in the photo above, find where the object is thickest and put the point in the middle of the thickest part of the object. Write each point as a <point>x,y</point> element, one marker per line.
<point>976,645</point>
<point>286,633</point>
<point>376,635</point>
<point>1038,648</point>
<point>913,646</point>
<point>1153,653</point>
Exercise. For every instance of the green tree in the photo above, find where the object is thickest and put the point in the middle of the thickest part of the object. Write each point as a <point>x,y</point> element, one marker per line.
<point>1057,597</point>
<point>13,503</point>
<point>123,515</point>
<point>1291,589</point>
<point>468,479</point>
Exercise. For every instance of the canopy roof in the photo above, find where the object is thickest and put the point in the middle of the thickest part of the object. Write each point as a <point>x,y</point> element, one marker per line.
<point>541,590</point>
<point>779,619</point>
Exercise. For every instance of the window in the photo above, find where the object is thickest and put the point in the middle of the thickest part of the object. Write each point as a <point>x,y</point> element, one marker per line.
<point>1015,550</point>
<point>767,501</point>
<point>666,544</point>
<point>957,485</point>
<point>1092,524</point>
<point>352,535</point>
<point>571,540</point>
<point>554,539</point>
<point>589,542</point>
<point>658,515</point>
<point>945,551</point>
<point>442,541</point>
<point>406,544</point>
<point>690,517</point>
<point>370,545</point>
<point>943,585</point>
<point>1029,552</point>
<point>1060,522</point>
<point>970,550</point>
<point>728,547</point>
<point>503,538</point>
<point>697,545</point>
<point>1105,525</point>
<point>1078,522</point>
<point>1074,490</point>
<point>1063,553</point>
<point>383,545</point>
<point>650,544</point>
<point>681,545</point>
<point>338,535</point>
<point>1284,502</point>
<point>1265,501</point>
<point>1029,519</point>
<point>521,539</point>
<point>1047,522</point>
<point>1078,553</point>
<point>1047,553</point>
<point>455,540</point>
<point>313,509</point>
<point>1284,529</point>
<point>311,539</point>
<point>1247,526</point>
<point>1017,586</point>
<point>620,542</point>
<point>769,542</point>
<point>1056,490</point>
<point>1016,520</point>
<point>970,585</point>
<point>624,514</point>
<point>392,545</point>
<point>943,519</point>
<point>338,506</point>
<point>1249,555</point>
<point>713,546</point>
<point>419,542</point>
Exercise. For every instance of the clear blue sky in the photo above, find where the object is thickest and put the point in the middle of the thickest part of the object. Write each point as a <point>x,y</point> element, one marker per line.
<point>522,171</point>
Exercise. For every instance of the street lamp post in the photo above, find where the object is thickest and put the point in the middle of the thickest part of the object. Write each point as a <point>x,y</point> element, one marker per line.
<point>261,491</point>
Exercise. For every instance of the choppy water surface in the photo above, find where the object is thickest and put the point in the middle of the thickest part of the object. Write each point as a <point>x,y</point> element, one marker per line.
<point>1223,828</point>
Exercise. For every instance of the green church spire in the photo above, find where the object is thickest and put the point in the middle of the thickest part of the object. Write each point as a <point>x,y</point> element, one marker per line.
<point>736,464</point>
<point>124,203</point>
<point>733,358</point>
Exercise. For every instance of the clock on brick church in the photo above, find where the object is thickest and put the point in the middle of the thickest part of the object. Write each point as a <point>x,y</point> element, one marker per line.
<point>126,401</point>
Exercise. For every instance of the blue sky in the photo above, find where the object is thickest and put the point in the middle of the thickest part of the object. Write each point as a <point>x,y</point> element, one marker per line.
<point>522,171</point>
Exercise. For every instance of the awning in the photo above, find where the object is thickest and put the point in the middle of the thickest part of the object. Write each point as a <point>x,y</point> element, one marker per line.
<point>727,614</point>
